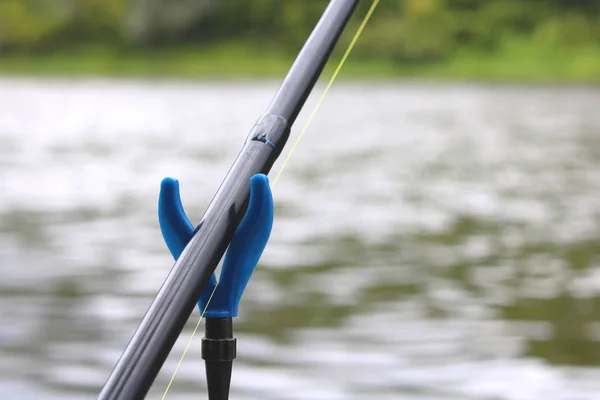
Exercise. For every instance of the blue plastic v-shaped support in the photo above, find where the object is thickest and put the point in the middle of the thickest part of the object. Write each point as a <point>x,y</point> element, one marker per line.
<point>243,253</point>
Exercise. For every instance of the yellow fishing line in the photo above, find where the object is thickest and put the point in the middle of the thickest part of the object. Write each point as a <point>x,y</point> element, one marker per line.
<point>188,344</point>
<point>335,74</point>
<point>304,128</point>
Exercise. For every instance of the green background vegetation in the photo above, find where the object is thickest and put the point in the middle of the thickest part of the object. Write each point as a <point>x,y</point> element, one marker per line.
<point>531,40</point>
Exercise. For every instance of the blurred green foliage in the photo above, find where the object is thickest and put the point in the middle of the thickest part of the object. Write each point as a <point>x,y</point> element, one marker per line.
<point>402,32</point>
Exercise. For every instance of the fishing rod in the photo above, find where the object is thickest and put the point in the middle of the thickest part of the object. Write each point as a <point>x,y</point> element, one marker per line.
<point>146,352</point>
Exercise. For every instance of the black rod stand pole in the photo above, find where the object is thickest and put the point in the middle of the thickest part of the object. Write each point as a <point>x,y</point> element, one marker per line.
<point>156,334</point>
<point>218,352</point>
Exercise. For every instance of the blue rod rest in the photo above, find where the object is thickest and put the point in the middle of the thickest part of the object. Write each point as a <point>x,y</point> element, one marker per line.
<point>247,245</point>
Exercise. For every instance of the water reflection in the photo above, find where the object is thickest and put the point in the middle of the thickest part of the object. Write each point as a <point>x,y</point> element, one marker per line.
<point>437,242</point>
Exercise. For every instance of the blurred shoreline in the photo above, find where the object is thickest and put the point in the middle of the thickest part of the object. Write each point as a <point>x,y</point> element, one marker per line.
<point>516,62</point>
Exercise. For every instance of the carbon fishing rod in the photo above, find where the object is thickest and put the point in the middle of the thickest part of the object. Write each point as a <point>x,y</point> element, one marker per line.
<point>146,352</point>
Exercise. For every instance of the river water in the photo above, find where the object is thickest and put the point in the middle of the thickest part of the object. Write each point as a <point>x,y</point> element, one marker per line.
<point>430,241</point>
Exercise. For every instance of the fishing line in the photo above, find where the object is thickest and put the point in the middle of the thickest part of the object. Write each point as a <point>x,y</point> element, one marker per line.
<point>304,129</point>
<point>188,344</point>
<point>335,74</point>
